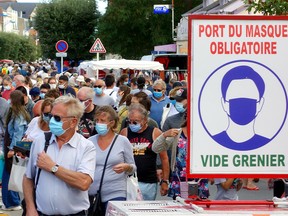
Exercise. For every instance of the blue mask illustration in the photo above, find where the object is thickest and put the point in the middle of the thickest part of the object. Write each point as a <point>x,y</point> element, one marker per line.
<point>242,110</point>
<point>101,129</point>
<point>180,107</point>
<point>157,94</point>
<point>98,91</point>
<point>135,128</point>
<point>56,127</point>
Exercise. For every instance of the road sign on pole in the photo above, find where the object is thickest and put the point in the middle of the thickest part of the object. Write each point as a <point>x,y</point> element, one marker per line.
<point>161,9</point>
<point>61,46</point>
<point>97,47</point>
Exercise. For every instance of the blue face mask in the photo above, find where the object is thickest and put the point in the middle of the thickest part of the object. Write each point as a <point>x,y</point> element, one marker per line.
<point>56,127</point>
<point>157,94</point>
<point>125,83</point>
<point>180,107</point>
<point>242,110</point>
<point>42,95</point>
<point>46,118</point>
<point>98,91</point>
<point>14,84</point>
<point>135,128</point>
<point>101,129</point>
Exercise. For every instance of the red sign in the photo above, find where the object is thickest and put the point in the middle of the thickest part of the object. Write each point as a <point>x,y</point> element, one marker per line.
<point>97,47</point>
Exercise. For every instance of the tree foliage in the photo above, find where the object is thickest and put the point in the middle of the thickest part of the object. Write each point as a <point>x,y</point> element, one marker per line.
<point>130,28</point>
<point>71,20</point>
<point>17,48</point>
<point>268,7</point>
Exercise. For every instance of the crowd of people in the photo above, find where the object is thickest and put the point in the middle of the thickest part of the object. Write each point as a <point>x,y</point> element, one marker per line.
<point>145,118</point>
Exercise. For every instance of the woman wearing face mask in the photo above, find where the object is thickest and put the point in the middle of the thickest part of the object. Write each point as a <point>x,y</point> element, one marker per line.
<point>40,124</point>
<point>141,137</point>
<point>7,87</point>
<point>122,93</point>
<point>120,162</point>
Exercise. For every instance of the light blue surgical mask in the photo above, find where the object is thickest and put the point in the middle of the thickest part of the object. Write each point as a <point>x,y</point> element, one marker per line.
<point>101,129</point>
<point>173,102</point>
<point>42,95</point>
<point>56,127</point>
<point>180,107</point>
<point>125,83</point>
<point>98,91</point>
<point>14,84</point>
<point>157,94</point>
<point>135,127</point>
<point>46,118</point>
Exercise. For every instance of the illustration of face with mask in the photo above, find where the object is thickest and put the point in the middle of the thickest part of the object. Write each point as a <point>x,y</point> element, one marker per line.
<point>242,99</point>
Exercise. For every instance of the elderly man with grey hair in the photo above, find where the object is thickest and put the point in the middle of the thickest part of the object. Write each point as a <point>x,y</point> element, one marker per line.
<point>86,124</point>
<point>19,80</point>
<point>100,98</point>
<point>158,100</point>
<point>67,167</point>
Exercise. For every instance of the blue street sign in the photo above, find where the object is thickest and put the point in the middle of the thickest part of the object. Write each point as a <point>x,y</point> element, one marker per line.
<point>61,46</point>
<point>161,9</point>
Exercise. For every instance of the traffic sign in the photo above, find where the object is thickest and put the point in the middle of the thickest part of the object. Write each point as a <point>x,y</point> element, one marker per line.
<point>161,9</point>
<point>61,46</point>
<point>97,47</point>
<point>61,54</point>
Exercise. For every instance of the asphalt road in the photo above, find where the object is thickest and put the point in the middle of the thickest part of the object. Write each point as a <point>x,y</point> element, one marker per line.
<point>263,194</point>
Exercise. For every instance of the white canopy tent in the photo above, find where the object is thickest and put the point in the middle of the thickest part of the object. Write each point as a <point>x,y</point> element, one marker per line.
<point>91,67</point>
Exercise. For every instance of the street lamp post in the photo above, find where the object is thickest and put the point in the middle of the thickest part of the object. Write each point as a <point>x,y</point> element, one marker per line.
<point>172,21</point>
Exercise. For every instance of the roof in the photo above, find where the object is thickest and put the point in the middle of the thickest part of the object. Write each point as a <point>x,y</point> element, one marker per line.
<point>26,8</point>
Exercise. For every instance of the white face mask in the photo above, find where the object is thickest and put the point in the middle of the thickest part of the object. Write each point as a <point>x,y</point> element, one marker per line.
<point>7,87</point>
<point>61,86</point>
<point>53,86</point>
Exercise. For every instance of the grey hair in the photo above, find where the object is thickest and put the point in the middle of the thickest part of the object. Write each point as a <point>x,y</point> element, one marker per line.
<point>20,78</point>
<point>73,105</point>
<point>138,108</point>
<point>160,82</point>
<point>88,92</point>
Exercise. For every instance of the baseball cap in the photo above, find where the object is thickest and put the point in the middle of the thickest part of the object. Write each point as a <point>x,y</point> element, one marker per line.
<point>181,94</point>
<point>35,91</point>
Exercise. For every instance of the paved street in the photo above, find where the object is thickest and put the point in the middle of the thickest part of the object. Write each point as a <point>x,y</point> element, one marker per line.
<point>262,194</point>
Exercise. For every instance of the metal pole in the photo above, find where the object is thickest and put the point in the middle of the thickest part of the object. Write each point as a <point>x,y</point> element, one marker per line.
<point>172,12</point>
<point>97,72</point>
<point>61,64</point>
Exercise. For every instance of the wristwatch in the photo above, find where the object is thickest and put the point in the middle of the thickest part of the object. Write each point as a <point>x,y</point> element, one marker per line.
<point>164,181</point>
<point>54,169</point>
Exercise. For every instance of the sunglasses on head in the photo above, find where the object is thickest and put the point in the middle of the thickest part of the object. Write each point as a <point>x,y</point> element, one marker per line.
<point>157,90</point>
<point>131,122</point>
<point>97,86</point>
<point>58,118</point>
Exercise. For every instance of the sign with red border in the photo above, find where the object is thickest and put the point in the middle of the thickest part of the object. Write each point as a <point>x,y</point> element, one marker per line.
<point>97,47</point>
<point>237,102</point>
<point>61,46</point>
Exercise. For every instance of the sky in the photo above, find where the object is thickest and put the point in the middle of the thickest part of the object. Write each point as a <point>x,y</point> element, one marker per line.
<point>101,5</point>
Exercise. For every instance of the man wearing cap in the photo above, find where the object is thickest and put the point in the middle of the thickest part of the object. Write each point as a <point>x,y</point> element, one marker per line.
<point>141,86</point>
<point>35,94</point>
<point>100,98</point>
<point>64,88</point>
<point>176,120</point>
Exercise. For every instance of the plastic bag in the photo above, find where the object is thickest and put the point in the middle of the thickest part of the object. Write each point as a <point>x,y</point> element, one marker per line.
<point>133,190</point>
<point>17,172</point>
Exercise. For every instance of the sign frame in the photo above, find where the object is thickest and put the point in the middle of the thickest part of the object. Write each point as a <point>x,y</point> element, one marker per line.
<point>97,43</point>
<point>191,91</point>
<point>61,46</point>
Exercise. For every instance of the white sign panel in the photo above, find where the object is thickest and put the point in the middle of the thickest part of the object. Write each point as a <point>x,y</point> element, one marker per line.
<point>238,89</point>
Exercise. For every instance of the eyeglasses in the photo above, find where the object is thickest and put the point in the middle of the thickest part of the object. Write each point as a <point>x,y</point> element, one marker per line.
<point>58,118</point>
<point>157,90</point>
<point>132,122</point>
<point>47,115</point>
<point>97,86</point>
<point>84,100</point>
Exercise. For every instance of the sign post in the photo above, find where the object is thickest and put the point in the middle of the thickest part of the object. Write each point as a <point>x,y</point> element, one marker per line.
<point>61,47</point>
<point>97,48</point>
<point>238,115</point>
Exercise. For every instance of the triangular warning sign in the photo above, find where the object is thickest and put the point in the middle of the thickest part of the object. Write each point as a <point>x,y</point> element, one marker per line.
<point>97,47</point>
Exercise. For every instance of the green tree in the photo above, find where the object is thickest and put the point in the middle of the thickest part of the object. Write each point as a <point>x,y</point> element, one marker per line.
<point>130,28</point>
<point>268,7</point>
<point>17,48</point>
<point>71,20</point>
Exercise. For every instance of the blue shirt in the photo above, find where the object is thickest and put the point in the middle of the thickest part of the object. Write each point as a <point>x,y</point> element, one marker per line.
<point>157,108</point>
<point>16,129</point>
